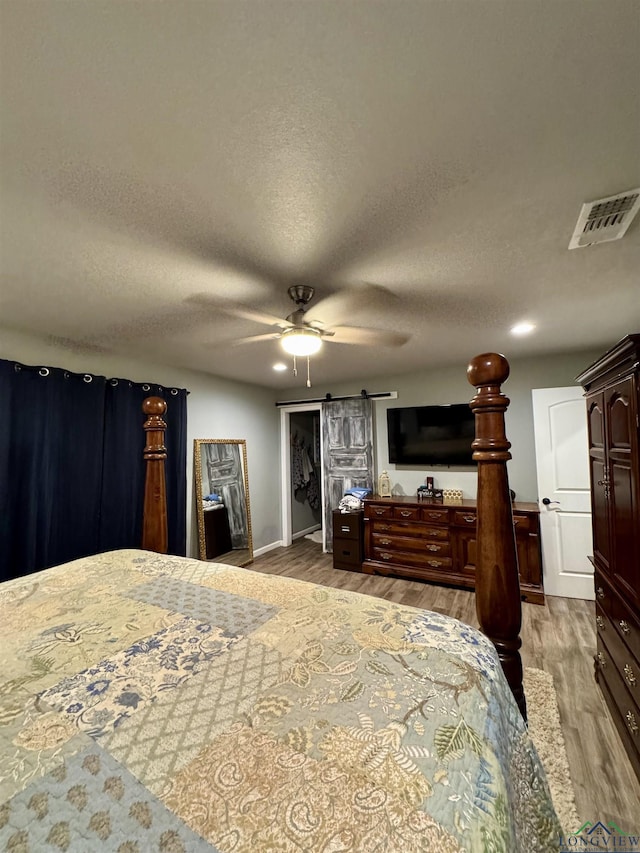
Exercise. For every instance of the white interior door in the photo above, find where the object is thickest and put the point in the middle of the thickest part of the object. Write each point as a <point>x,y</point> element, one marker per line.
<point>562,462</point>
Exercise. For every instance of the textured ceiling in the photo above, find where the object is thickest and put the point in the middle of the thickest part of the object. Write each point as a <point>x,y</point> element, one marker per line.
<point>158,159</point>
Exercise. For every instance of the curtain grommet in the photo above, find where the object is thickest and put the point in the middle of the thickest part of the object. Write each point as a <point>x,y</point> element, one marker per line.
<point>146,387</point>
<point>87,378</point>
<point>44,371</point>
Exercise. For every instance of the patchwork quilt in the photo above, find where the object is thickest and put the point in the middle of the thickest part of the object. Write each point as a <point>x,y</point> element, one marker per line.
<point>150,702</point>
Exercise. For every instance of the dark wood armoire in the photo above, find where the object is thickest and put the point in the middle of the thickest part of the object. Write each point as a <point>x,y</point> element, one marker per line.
<point>612,387</point>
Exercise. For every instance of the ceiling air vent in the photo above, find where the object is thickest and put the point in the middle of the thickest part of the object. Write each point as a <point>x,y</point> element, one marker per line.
<point>605,219</point>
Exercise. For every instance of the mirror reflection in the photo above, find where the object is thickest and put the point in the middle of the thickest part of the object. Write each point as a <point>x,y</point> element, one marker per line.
<point>222,496</point>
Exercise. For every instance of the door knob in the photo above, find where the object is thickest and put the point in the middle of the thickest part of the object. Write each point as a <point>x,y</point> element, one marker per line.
<point>547,501</point>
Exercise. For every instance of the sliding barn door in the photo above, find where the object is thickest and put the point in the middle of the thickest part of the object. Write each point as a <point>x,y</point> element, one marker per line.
<point>348,453</point>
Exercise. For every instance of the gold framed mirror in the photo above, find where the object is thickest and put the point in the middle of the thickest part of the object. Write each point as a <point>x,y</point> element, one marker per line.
<point>222,500</point>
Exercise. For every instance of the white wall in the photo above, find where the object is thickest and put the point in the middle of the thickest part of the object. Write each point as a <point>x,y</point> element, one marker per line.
<point>450,385</point>
<point>216,408</point>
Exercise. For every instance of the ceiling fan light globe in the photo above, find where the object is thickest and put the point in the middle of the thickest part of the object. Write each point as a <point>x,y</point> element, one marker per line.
<point>301,342</point>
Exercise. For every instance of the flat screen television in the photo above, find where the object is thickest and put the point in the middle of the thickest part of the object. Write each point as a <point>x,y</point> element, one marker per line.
<point>431,435</point>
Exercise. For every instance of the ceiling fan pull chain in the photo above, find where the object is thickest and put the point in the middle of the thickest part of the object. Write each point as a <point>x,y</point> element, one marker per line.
<point>308,374</point>
<point>295,368</point>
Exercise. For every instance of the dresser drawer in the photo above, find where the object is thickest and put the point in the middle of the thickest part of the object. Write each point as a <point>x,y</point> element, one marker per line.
<point>411,543</point>
<point>622,659</point>
<point>378,511</point>
<point>410,558</point>
<point>622,618</point>
<point>625,706</point>
<point>522,523</point>
<point>604,596</point>
<point>347,554</point>
<point>465,518</point>
<point>435,516</point>
<point>409,528</point>
<point>407,513</point>
<point>347,525</point>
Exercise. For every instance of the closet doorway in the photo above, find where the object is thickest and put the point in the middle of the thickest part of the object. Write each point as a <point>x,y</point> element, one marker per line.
<point>301,471</point>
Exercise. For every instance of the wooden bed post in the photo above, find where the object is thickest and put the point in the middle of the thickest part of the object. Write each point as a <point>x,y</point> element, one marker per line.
<point>154,522</point>
<point>497,578</point>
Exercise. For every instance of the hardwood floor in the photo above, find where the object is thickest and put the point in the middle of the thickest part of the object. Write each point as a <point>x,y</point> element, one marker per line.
<point>558,637</point>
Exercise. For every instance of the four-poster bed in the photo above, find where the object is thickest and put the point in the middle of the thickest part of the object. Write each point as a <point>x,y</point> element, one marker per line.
<point>159,702</point>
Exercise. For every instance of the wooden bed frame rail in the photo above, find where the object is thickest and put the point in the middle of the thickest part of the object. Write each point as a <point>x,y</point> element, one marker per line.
<point>497,580</point>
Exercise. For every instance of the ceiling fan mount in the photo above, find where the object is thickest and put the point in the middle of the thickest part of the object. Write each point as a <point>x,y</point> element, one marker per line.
<point>301,294</point>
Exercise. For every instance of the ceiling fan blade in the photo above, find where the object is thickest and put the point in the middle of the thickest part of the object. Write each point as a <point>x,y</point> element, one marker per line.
<point>252,339</point>
<point>357,335</point>
<point>348,302</point>
<point>238,311</point>
<point>255,316</point>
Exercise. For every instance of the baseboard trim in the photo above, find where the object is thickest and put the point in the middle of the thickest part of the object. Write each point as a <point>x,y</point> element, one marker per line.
<point>270,547</point>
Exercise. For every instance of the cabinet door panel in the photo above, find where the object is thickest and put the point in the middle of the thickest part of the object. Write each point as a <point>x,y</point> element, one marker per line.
<point>598,470</point>
<point>624,507</point>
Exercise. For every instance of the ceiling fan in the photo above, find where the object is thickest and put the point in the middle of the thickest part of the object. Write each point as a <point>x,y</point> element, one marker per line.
<point>303,331</point>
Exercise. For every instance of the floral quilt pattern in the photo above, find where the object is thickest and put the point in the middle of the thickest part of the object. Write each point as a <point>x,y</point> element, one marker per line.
<point>150,702</point>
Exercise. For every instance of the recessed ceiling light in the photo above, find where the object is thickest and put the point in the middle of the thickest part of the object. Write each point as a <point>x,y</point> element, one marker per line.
<point>279,366</point>
<point>522,329</point>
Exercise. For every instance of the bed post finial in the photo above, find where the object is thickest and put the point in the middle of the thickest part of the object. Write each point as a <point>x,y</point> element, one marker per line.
<point>154,523</point>
<point>497,578</point>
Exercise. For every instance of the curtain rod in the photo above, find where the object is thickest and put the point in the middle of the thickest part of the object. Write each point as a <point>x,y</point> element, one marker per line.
<point>328,398</point>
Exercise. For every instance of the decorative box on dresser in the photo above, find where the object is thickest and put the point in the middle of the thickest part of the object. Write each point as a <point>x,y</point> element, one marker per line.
<point>436,541</point>
<point>613,413</point>
<point>348,545</point>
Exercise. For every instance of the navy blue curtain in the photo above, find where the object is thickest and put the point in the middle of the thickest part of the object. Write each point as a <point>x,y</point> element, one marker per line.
<point>71,467</point>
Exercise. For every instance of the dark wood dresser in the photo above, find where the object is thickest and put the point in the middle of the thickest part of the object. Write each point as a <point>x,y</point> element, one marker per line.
<point>348,543</point>
<point>613,414</point>
<point>406,537</point>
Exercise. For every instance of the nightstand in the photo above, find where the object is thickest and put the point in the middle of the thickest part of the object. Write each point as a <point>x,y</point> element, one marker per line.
<point>348,540</point>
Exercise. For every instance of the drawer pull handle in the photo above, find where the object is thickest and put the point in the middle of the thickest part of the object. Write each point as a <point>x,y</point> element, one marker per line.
<point>432,547</point>
<point>600,623</point>
<point>469,518</point>
<point>386,556</point>
<point>384,527</point>
<point>434,563</point>
<point>600,593</point>
<point>345,529</point>
<point>624,627</point>
<point>435,515</point>
<point>385,541</point>
<point>380,511</point>
<point>629,675</point>
<point>405,513</point>
<point>631,722</point>
<point>601,660</point>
